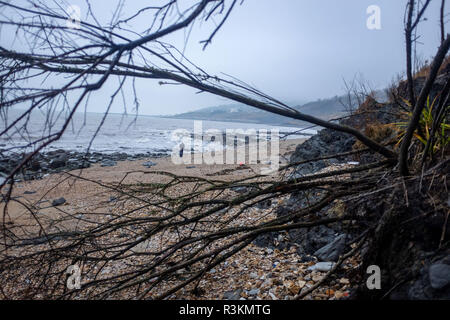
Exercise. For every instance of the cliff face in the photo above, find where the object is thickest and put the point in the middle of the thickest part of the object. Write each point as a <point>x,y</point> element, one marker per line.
<point>406,218</point>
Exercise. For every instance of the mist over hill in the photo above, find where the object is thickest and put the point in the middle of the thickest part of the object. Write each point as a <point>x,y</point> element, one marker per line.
<point>326,109</point>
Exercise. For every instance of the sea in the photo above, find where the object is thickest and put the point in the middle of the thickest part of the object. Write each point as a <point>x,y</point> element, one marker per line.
<point>132,134</point>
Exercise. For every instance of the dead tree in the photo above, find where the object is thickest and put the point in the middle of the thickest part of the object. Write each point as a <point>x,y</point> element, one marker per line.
<point>414,16</point>
<point>205,221</point>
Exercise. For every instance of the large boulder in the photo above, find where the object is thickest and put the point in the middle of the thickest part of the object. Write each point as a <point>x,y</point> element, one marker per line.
<point>59,160</point>
<point>326,142</point>
<point>332,250</point>
<point>432,283</point>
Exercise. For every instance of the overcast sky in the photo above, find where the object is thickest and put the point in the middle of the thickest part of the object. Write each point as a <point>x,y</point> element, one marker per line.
<point>294,50</point>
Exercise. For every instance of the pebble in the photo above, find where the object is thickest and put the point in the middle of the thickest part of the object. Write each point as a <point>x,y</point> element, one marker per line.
<point>253,292</point>
<point>232,295</point>
<point>322,266</point>
<point>149,164</point>
<point>58,202</point>
<point>108,163</point>
<point>272,296</point>
<point>439,275</point>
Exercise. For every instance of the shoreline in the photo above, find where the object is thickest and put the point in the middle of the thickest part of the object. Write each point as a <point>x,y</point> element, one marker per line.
<point>62,160</point>
<point>87,195</point>
<point>49,186</point>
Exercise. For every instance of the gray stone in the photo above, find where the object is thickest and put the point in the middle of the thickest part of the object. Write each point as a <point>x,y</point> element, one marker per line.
<point>78,164</point>
<point>264,204</point>
<point>58,202</point>
<point>322,266</point>
<point>240,189</point>
<point>108,163</point>
<point>325,142</point>
<point>149,164</point>
<point>232,295</point>
<point>312,239</point>
<point>331,251</point>
<point>253,292</point>
<point>439,274</point>
<point>59,161</point>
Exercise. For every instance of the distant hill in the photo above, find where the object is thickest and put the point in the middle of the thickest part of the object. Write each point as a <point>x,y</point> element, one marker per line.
<point>325,109</point>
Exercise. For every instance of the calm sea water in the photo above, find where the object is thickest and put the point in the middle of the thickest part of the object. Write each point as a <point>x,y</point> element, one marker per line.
<point>119,132</point>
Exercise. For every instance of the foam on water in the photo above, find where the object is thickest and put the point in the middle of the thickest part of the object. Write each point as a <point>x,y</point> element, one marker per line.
<point>119,133</point>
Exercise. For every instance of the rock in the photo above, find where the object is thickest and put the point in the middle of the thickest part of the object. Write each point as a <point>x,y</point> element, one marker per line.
<point>4,169</point>
<point>439,275</point>
<point>292,287</point>
<point>149,164</point>
<point>317,278</point>
<point>58,202</point>
<point>78,164</point>
<point>232,295</point>
<point>301,283</point>
<point>306,258</point>
<point>108,163</point>
<point>264,204</point>
<point>240,189</point>
<point>322,266</point>
<point>34,165</point>
<point>269,240</point>
<point>59,161</point>
<point>333,250</point>
<point>431,283</point>
<point>119,156</point>
<point>272,296</point>
<point>253,292</point>
<point>325,142</point>
<point>29,192</point>
<point>312,239</point>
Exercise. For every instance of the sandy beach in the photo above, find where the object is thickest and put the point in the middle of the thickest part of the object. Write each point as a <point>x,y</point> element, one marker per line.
<point>84,193</point>
<point>89,197</point>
